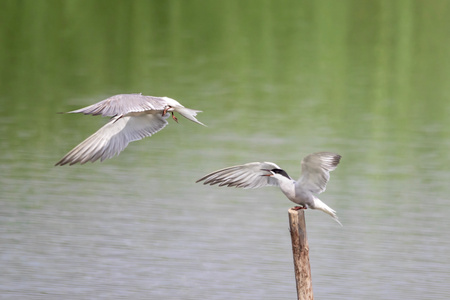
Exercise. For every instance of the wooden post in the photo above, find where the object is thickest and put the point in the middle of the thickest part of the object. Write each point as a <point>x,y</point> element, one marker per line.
<point>300,250</point>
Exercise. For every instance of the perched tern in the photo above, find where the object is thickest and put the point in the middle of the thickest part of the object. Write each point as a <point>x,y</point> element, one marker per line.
<point>133,117</point>
<point>316,169</point>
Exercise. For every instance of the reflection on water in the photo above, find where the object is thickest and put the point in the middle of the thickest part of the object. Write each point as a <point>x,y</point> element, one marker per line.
<point>366,80</point>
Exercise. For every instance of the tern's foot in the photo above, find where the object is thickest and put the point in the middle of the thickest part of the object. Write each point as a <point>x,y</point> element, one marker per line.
<point>175,118</point>
<point>299,207</point>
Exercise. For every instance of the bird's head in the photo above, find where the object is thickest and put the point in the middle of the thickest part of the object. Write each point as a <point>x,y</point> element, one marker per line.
<point>279,174</point>
<point>173,105</point>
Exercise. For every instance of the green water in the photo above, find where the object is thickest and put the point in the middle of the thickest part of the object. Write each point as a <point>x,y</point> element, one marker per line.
<point>276,80</point>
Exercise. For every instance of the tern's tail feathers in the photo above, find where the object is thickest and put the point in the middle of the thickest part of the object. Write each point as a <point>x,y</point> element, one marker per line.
<point>325,208</point>
<point>189,114</point>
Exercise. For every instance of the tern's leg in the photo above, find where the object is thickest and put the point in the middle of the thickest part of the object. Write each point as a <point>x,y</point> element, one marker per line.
<point>175,118</point>
<point>299,207</point>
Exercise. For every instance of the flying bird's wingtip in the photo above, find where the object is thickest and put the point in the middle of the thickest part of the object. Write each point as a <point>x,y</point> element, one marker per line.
<point>60,163</point>
<point>201,179</point>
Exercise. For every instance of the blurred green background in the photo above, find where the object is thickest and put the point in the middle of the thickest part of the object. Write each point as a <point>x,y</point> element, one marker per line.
<point>276,80</point>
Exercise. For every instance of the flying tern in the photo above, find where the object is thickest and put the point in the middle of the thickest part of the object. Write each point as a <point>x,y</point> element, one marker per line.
<point>316,169</point>
<point>133,117</point>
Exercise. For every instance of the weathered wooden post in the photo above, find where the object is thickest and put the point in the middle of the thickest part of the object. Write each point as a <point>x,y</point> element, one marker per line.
<point>300,250</point>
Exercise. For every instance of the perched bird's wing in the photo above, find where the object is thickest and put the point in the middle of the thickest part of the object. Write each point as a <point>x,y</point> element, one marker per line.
<point>316,169</point>
<point>247,176</point>
<point>113,137</point>
<point>122,104</point>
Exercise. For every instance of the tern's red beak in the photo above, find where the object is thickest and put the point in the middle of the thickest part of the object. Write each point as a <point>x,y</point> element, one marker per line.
<point>270,172</point>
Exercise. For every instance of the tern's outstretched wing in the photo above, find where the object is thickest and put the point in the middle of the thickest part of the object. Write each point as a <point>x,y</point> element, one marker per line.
<point>123,104</point>
<point>247,176</point>
<point>316,170</point>
<point>112,138</point>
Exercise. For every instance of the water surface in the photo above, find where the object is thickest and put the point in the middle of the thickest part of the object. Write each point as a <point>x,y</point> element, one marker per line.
<point>276,81</point>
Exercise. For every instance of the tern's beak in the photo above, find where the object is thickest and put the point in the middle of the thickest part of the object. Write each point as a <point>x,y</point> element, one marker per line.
<point>267,170</point>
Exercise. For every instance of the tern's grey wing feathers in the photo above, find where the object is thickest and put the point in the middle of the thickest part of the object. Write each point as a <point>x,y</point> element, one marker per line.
<point>316,170</point>
<point>246,176</point>
<point>122,104</point>
<point>113,137</point>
